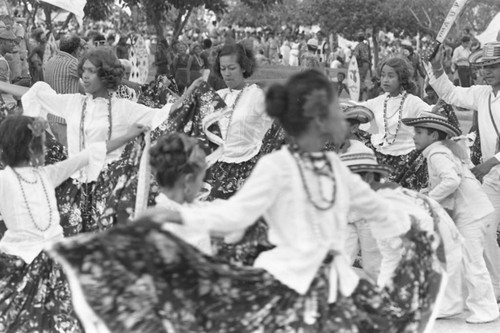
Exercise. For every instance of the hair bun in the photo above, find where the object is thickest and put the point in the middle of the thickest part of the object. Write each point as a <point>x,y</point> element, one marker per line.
<point>168,153</point>
<point>277,101</point>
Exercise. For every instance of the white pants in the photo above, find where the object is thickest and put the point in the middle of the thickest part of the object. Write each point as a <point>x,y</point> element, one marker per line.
<point>359,236</point>
<point>480,299</point>
<point>491,187</point>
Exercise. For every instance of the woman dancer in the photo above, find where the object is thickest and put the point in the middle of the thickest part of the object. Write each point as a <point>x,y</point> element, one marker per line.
<point>392,140</point>
<point>305,283</point>
<point>34,294</point>
<point>94,117</point>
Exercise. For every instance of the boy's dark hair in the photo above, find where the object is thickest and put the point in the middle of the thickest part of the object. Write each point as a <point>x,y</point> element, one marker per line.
<point>429,88</point>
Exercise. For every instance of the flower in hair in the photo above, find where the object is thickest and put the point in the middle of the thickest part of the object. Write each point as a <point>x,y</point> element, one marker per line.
<point>38,126</point>
<point>316,103</point>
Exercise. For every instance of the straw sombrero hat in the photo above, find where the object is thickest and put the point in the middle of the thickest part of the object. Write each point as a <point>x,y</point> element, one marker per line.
<point>489,55</point>
<point>363,159</point>
<point>351,110</point>
<point>435,121</point>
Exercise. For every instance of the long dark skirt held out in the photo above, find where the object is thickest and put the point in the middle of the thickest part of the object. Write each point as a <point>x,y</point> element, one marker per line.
<point>140,278</point>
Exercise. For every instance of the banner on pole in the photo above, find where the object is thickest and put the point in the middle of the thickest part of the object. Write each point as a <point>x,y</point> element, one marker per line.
<point>353,80</point>
<point>72,6</point>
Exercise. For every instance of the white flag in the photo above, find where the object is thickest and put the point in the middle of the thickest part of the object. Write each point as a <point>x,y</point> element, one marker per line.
<point>72,6</point>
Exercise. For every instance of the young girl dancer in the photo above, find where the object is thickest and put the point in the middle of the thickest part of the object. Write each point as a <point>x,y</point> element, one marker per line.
<point>305,282</point>
<point>179,166</point>
<point>34,294</point>
<point>392,140</point>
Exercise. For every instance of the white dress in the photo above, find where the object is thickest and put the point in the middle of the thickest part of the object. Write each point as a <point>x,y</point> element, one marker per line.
<point>276,192</point>
<point>41,99</point>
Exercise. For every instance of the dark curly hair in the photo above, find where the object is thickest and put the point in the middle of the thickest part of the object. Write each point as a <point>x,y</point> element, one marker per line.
<point>404,69</point>
<point>175,155</point>
<point>17,143</point>
<point>109,68</point>
<point>289,103</point>
<point>245,57</point>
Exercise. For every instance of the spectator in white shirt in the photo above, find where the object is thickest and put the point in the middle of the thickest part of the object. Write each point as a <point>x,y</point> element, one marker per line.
<point>460,62</point>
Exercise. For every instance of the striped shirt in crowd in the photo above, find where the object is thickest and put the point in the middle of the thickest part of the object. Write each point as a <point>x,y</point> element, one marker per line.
<point>61,74</point>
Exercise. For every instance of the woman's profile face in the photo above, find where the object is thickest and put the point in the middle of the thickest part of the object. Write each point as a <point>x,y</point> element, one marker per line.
<point>231,71</point>
<point>91,81</point>
<point>335,127</point>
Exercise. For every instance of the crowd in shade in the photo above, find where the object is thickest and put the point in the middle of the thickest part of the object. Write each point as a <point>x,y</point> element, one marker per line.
<point>203,199</point>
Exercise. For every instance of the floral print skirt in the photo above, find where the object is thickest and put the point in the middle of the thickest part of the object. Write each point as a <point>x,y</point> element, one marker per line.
<point>140,278</point>
<point>35,297</point>
<point>410,170</point>
<point>97,206</point>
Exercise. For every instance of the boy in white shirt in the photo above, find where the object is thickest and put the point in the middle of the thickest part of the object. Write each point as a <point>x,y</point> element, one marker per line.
<point>452,184</point>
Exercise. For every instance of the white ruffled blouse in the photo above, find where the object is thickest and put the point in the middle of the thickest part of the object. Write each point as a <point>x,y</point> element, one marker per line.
<point>249,123</point>
<point>197,236</point>
<point>41,99</point>
<point>303,235</point>
<point>413,106</point>
<point>22,237</point>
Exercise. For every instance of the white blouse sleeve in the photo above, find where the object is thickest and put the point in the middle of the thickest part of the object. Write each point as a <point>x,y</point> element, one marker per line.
<point>417,106</point>
<point>95,154</point>
<point>375,209</point>
<point>41,99</point>
<point>371,127</point>
<point>144,115</point>
<point>244,208</point>
<point>259,99</point>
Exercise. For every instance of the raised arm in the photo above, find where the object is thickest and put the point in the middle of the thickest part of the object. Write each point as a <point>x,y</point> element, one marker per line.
<point>94,157</point>
<point>458,96</point>
<point>223,217</point>
<point>41,99</point>
<point>12,89</point>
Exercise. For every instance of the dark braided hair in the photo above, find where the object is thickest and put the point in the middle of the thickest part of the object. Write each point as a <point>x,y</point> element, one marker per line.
<point>175,155</point>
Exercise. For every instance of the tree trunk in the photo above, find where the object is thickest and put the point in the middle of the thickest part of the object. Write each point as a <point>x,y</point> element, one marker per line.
<point>35,10</point>
<point>375,48</point>
<point>66,22</point>
<point>180,24</point>
<point>48,18</point>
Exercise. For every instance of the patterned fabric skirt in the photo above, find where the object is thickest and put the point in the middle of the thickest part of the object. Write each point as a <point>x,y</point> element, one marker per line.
<point>139,278</point>
<point>410,170</point>
<point>97,206</point>
<point>35,297</point>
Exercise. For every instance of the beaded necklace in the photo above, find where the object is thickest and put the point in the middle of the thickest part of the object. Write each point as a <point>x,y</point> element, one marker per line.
<point>20,180</point>
<point>82,122</point>
<point>325,203</point>
<point>229,115</point>
<point>386,125</point>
